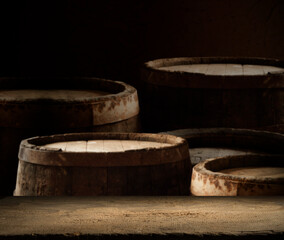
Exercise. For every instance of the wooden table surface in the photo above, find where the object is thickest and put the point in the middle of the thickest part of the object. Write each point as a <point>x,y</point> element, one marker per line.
<point>142,217</point>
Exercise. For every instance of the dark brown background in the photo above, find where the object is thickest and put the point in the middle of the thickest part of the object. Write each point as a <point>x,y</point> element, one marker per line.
<point>113,38</point>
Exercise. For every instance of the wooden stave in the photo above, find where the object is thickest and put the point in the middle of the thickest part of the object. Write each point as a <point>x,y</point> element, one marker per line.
<point>15,127</point>
<point>167,178</point>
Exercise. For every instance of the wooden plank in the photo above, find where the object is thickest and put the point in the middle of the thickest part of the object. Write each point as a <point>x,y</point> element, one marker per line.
<point>139,180</point>
<point>76,146</point>
<point>234,69</point>
<point>117,181</point>
<point>199,68</point>
<point>57,145</point>
<point>272,69</point>
<point>104,145</point>
<point>147,144</point>
<point>121,145</point>
<point>192,68</point>
<point>130,145</point>
<point>113,146</point>
<point>95,146</point>
<point>89,181</point>
<point>253,70</point>
<point>224,69</point>
<point>216,69</point>
<point>142,217</point>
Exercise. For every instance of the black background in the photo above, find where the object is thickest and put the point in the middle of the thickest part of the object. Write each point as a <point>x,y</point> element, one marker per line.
<point>112,39</point>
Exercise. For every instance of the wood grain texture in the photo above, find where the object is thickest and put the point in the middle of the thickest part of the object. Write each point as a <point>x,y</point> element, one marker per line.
<point>29,108</point>
<point>159,166</point>
<point>220,92</point>
<point>103,145</point>
<point>126,218</point>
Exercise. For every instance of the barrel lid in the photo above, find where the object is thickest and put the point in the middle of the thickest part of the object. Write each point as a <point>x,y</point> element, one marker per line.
<point>66,102</point>
<point>215,72</point>
<point>38,150</point>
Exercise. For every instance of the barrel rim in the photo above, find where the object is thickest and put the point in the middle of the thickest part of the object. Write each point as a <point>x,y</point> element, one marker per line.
<point>203,169</point>
<point>97,111</point>
<point>234,134</point>
<point>32,152</point>
<point>125,91</point>
<point>152,75</point>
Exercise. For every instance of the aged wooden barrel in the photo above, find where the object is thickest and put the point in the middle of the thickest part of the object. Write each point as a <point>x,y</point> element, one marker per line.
<point>243,175</point>
<point>205,143</point>
<point>34,107</point>
<point>103,164</point>
<point>212,92</point>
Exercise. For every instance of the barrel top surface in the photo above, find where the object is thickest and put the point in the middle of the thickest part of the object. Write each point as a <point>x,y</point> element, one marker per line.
<point>271,172</point>
<point>103,145</point>
<point>255,168</point>
<point>82,90</point>
<point>215,72</point>
<point>223,69</point>
<point>75,102</point>
<point>103,149</point>
<point>55,94</point>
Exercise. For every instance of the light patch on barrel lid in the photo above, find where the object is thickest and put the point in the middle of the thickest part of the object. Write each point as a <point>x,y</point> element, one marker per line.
<point>223,69</point>
<point>104,145</point>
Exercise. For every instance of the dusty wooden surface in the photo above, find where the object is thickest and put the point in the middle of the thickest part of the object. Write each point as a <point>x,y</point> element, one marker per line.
<point>187,217</point>
<point>55,94</point>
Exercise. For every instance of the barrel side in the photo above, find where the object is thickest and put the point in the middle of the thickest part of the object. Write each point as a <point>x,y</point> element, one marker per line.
<point>167,108</point>
<point>20,119</point>
<point>150,171</point>
<point>164,179</point>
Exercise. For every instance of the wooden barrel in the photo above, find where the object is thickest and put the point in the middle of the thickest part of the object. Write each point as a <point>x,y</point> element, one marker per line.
<point>243,175</point>
<point>103,164</point>
<point>34,107</point>
<point>212,92</point>
<point>208,143</point>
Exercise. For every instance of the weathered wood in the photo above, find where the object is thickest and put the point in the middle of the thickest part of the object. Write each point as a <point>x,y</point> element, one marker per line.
<point>212,92</point>
<point>80,103</point>
<point>223,69</point>
<point>103,145</point>
<point>220,142</point>
<point>117,165</point>
<point>30,108</point>
<point>229,176</point>
<point>127,218</point>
